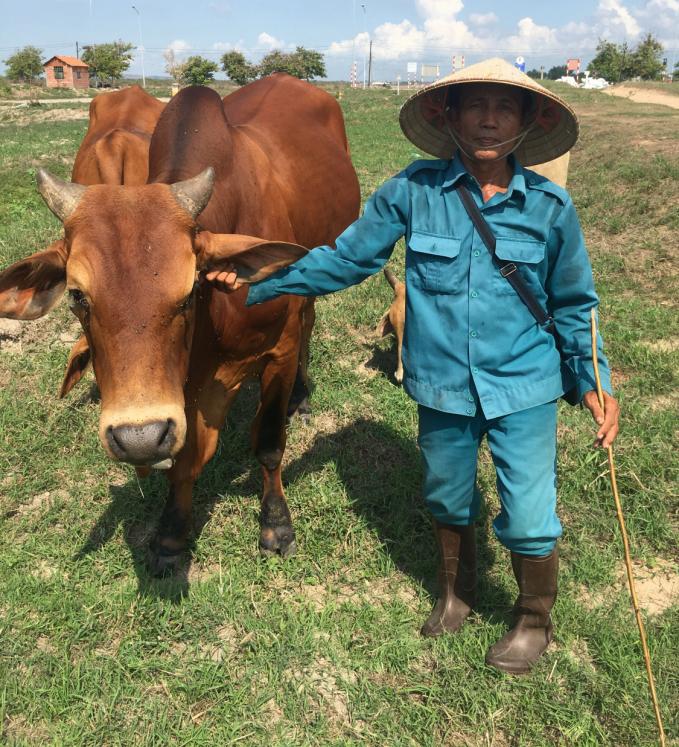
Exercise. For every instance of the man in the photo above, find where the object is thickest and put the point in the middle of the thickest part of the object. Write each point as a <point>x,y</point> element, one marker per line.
<point>475,360</point>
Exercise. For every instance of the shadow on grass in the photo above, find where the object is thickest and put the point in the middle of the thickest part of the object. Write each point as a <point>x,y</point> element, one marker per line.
<point>380,471</point>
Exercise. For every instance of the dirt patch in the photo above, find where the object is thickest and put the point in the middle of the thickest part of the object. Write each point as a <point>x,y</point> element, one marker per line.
<point>644,95</point>
<point>373,592</point>
<point>22,115</point>
<point>579,653</point>
<point>670,345</point>
<point>17,729</point>
<point>324,683</point>
<point>657,587</point>
<point>664,402</point>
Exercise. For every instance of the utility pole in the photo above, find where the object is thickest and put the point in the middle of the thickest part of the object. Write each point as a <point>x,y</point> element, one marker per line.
<point>542,72</point>
<point>370,62</point>
<point>141,48</point>
<point>77,51</point>
<point>365,23</point>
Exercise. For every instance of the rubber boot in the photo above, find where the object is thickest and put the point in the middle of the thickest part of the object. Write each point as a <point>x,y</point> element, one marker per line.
<point>522,646</point>
<point>457,579</point>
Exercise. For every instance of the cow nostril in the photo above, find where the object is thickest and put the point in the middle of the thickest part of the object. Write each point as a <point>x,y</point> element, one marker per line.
<point>167,432</point>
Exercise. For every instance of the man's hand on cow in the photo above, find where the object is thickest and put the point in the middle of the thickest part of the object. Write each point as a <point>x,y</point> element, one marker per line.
<point>224,280</point>
<point>608,423</point>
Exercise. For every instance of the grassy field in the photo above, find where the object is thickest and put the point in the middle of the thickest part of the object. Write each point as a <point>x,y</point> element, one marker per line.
<point>323,649</point>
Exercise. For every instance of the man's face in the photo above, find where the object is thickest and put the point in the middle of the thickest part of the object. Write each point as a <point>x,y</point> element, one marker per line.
<point>488,114</point>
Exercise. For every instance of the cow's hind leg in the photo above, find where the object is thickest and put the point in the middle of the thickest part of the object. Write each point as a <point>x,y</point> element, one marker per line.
<point>204,418</point>
<point>299,399</point>
<point>268,439</point>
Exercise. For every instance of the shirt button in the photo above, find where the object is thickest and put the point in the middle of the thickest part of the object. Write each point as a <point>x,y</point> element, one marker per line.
<point>470,411</point>
<point>474,294</point>
<point>473,333</point>
<point>475,370</point>
<point>477,253</point>
<point>470,398</point>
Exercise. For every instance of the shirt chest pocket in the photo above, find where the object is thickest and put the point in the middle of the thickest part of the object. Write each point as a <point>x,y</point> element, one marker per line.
<point>433,263</point>
<point>526,255</point>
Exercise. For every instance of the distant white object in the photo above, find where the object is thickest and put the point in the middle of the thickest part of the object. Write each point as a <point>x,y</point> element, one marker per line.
<point>570,80</point>
<point>596,83</point>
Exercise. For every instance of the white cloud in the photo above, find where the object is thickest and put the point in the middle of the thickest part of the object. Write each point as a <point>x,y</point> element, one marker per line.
<point>440,32</point>
<point>229,46</point>
<point>439,8</point>
<point>266,40</point>
<point>616,17</point>
<point>532,38</point>
<point>179,46</point>
<point>483,19</point>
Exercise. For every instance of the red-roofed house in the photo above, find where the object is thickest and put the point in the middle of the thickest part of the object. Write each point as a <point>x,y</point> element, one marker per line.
<point>62,71</point>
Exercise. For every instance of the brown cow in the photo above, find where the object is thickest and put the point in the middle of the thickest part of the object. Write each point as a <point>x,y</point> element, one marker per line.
<point>116,146</point>
<point>169,354</point>
<point>115,150</point>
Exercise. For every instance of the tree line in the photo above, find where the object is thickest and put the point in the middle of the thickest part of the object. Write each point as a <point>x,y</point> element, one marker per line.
<point>108,62</point>
<point>618,62</point>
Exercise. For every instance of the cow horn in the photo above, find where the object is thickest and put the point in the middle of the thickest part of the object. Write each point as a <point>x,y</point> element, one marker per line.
<point>194,194</point>
<point>62,197</point>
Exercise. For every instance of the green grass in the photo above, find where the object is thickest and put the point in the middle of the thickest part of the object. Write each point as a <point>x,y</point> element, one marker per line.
<point>324,648</point>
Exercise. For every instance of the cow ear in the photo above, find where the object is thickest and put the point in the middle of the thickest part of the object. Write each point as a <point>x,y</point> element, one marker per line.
<point>253,258</point>
<point>77,364</point>
<point>31,287</point>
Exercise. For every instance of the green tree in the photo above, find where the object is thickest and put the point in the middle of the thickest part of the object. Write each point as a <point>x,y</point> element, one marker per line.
<point>556,72</point>
<point>280,62</point>
<point>173,66</point>
<point>108,61</point>
<point>24,65</point>
<point>238,69</point>
<point>646,59</point>
<point>302,63</point>
<point>534,73</point>
<point>197,71</point>
<point>311,63</point>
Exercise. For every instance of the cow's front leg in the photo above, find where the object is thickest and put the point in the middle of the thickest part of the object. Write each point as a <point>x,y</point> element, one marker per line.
<point>174,528</point>
<point>268,437</point>
<point>205,415</point>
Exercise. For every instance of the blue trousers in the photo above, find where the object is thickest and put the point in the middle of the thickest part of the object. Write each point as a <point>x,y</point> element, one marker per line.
<point>523,448</point>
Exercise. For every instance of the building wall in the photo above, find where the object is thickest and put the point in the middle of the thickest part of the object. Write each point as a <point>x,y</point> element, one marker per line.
<point>70,79</point>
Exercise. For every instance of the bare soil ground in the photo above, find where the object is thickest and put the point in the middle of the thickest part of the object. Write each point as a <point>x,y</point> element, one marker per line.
<point>644,95</point>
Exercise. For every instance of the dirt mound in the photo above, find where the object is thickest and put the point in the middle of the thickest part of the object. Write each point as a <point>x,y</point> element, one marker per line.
<point>644,95</point>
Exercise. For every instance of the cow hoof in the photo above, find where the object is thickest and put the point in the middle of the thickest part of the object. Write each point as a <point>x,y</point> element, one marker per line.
<point>162,562</point>
<point>277,541</point>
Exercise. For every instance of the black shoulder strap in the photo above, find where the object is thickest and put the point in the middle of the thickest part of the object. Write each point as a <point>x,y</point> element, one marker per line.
<point>508,270</point>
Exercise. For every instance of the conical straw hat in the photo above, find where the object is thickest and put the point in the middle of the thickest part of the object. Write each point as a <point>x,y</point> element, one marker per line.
<point>553,132</point>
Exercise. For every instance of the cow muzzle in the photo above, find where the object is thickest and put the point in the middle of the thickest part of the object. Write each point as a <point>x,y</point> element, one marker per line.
<point>149,443</point>
<point>148,438</point>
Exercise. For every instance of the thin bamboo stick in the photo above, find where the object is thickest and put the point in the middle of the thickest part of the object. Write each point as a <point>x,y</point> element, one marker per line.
<point>625,541</point>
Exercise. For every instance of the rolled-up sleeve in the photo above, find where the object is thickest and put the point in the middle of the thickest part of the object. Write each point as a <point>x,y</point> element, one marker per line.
<point>570,289</point>
<point>361,250</point>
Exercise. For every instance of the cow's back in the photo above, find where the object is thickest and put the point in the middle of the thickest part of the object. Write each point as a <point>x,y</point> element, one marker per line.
<point>115,147</point>
<point>300,129</point>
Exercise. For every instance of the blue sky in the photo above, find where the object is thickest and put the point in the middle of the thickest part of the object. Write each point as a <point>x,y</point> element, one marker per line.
<point>402,31</point>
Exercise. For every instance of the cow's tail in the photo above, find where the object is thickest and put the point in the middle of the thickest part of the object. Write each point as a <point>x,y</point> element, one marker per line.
<point>391,278</point>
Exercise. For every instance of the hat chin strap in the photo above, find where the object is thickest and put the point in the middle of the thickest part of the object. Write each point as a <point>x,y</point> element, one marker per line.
<point>518,138</point>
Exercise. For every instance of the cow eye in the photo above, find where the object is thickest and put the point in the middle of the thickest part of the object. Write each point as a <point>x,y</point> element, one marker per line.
<point>77,300</point>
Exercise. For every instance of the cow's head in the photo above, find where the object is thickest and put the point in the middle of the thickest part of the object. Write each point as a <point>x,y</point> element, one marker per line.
<point>129,262</point>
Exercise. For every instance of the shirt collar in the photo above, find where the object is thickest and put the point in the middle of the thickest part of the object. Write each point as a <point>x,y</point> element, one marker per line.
<point>456,171</point>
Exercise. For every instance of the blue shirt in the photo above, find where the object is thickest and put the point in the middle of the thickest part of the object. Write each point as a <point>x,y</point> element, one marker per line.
<point>469,340</point>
